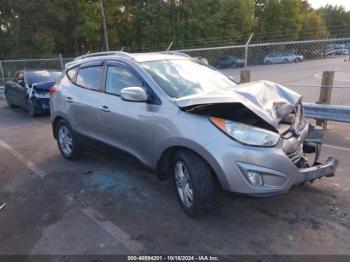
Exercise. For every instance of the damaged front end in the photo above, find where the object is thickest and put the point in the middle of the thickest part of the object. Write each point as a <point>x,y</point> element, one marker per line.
<point>268,106</point>
<point>302,142</point>
<point>307,161</point>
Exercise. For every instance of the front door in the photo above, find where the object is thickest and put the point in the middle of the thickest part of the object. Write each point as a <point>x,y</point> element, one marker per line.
<point>126,125</point>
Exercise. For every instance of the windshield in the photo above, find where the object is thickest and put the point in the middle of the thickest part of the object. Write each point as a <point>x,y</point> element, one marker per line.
<point>42,76</point>
<point>179,78</point>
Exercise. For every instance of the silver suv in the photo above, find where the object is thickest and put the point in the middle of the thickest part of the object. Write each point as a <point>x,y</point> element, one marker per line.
<point>189,122</point>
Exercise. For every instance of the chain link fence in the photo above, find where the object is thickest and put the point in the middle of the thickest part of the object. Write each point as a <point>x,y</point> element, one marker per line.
<point>296,64</point>
<point>8,68</point>
<point>234,57</point>
<point>272,53</point>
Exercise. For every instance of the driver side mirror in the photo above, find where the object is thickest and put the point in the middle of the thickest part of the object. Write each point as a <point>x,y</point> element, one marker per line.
<point>134,94</point>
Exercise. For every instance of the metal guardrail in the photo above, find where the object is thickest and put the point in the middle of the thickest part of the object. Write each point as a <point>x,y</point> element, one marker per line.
<point>327,112</point>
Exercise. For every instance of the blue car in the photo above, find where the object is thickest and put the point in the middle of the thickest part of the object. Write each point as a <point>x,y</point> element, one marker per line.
<point>30,90</point>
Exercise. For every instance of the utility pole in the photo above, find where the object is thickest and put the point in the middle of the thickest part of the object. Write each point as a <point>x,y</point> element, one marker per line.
<point>104,25</point>
<point>246,50</point>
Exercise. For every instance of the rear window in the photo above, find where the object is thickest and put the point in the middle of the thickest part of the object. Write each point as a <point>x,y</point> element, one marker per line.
<point>90,77</point>
<point>42,77</point>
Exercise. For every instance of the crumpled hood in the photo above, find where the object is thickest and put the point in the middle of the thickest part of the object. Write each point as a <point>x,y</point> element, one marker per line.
<point>270,101</point>
<point>44,86</point>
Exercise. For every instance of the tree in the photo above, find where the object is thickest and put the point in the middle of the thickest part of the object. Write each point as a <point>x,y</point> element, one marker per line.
<point>278,19</point>
<point>313,26</point>
<point>42,27</point>
<point>336,19</point>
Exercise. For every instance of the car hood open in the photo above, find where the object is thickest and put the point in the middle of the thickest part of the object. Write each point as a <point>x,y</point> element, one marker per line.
<point>270,101</point>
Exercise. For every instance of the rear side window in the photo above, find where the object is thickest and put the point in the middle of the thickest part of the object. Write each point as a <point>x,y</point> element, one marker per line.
<point>119,77</point>
<point>90,77</point>
<point>72,73</point>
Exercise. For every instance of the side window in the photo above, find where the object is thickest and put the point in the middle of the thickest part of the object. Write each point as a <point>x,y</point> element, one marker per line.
<point>20,79</point>
<point>90,77</point>
<point>119,77</point>
<point>72,73</point>
<point>18,76</point>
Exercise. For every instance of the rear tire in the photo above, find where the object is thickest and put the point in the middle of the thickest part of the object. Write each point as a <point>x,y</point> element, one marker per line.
<point>285,61</point>
<point>194,183</point>
<point>297,60</point>
<point>67,141</point>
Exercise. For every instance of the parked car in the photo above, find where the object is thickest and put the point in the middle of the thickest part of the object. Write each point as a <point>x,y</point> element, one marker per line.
<point>30,90</point>
<point>337,52</point>
<point>202,60</point>
<point>190,122</point>
<point>228,61</point>
<point>283,58</point>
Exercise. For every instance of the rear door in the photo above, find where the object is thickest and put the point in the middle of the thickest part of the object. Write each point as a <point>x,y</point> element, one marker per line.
<point>82,99</point>
<point>126,125</point>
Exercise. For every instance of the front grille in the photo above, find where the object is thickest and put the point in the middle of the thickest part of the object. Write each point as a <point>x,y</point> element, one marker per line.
<point>296,156</point>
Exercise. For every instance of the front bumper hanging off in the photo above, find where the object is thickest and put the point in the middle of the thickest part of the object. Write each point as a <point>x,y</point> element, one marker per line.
<point>318,170</point>
<point>327,169</point>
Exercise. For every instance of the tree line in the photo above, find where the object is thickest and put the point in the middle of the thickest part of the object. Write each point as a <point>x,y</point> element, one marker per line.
<point>37,28</point>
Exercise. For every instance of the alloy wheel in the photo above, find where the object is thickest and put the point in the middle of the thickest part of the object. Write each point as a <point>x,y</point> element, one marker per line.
<point>183,184</point>
<point>65,140</point>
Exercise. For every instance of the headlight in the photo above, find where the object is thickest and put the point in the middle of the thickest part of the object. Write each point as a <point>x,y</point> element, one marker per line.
<point>41,95</point>
<point>247,134</point>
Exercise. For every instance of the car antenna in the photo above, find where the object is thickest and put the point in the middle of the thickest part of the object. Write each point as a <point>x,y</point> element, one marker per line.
<point>121,50</point>
<point>171,44</point>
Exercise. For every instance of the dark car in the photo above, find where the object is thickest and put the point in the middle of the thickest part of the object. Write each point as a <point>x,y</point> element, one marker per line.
<point>229,61</point>
<point>30,90</point>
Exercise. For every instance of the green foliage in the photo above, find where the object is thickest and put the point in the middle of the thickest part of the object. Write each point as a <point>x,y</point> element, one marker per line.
<point>336,19</point>
<point>313,26</point>
<point>36,28</point>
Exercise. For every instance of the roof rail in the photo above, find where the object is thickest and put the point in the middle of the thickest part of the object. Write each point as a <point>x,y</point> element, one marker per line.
<point>119,53</point>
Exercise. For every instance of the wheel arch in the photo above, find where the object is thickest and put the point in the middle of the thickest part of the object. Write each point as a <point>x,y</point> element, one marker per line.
<point>54,124</point>
<point>164,163</point>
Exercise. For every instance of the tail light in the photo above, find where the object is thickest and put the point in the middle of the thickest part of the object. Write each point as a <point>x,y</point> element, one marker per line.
<point>53,90</point>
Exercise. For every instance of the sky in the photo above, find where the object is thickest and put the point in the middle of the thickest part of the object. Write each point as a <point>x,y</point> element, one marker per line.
<point>319,3</point>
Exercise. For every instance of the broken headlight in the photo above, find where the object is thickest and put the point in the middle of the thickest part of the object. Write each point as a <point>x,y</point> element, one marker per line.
<point>246,134</point>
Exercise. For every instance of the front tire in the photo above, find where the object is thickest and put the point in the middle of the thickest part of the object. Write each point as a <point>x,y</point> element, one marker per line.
<point>67,141</point>
<point>30,108</point>
<point>194,183</point>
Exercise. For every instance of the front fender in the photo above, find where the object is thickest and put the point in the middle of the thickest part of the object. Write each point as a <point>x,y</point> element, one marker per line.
<point>195,147</point>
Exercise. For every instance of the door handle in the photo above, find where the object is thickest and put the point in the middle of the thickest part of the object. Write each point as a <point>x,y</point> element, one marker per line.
<point>104,108</point>
<point>69,99</point>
